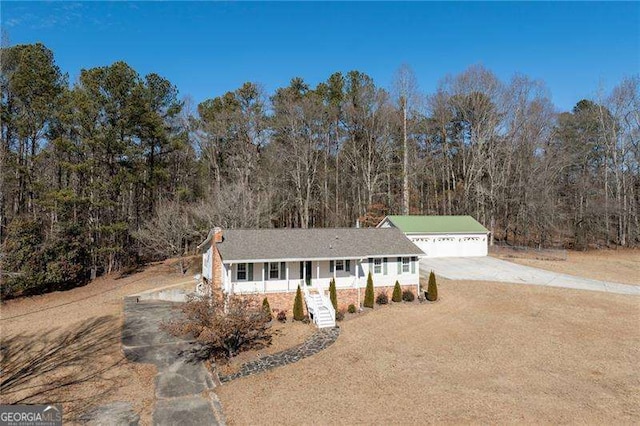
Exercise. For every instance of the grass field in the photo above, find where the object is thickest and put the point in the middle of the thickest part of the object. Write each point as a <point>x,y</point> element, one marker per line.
<point>622,266</point>
<point>102,373</point>
<point>485,353</point>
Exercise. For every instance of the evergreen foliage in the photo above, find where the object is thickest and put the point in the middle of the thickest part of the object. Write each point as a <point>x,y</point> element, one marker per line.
<point>118,170</point>
<point>432,289</point>
<point>266,308</point>
<point>368,293</point>
<point>298,309</point>
<point>397,292</point>
<point>333,295</point>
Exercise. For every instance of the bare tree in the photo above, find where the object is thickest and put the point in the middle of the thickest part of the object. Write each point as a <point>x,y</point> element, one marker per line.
<point>405,91</point>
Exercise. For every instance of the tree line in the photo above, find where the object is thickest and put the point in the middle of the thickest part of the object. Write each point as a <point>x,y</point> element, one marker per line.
<point>101,173</point>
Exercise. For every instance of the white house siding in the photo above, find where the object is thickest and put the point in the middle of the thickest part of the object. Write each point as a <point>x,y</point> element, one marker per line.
<point>389,278</point>
<point>321,276</point>
<point>451,245</point>
<point>207,258</point>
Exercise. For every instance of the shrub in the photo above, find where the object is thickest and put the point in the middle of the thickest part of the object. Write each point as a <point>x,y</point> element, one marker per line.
<point>382,298</point>
<point>340,315</point>
<point>351,309</point>
<point>41,263</point>
<point>221,333</point>
<point>397,293</point>
<point>432,289</point>
<point>368,293</point>
<point>298,309</point>
<point>282,316</point>
<point>408,296</point>
<point>266,308</point>
<point>332,294</point>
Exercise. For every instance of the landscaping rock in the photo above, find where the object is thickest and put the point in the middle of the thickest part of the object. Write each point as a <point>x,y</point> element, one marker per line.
<point>318,341</point>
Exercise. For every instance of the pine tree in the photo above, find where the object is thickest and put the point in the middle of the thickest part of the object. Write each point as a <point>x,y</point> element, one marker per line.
<point>368,294</point>
<point>332,294</point>
<point>432,289</point>
<point>298,310</point>
<point>397,293</point>
<point>266,308</point>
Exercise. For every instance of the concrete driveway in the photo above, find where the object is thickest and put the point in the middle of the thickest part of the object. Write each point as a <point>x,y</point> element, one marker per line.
<point>492,269</point>
<point>183,388</point>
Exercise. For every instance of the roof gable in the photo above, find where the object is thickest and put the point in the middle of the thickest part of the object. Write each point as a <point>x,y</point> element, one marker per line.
<point>315,243</point>
<point>437,224</point>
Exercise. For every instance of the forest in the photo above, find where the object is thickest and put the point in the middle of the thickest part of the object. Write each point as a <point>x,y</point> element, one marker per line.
<point>114,169</point>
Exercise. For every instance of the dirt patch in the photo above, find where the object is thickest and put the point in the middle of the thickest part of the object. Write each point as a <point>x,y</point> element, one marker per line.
<point>621,266</point>
<point>57,321</point>
<point>484,353</point>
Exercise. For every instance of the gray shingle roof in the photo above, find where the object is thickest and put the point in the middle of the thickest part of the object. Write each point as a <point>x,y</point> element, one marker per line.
<point>316,243</point>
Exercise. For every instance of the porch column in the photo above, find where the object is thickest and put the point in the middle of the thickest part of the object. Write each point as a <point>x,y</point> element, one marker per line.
<point>288,287</point>
<point>229,283</point>
<point>358,266</point>
<point>304,273</point>
<point>318,274</point>
<point>264,284</point>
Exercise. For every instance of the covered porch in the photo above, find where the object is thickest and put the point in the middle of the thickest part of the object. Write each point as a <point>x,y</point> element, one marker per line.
<point>286,275</point>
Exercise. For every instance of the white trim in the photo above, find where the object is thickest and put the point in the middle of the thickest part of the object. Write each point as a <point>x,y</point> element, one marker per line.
<point>277,270</point>
<point>374,266</point>
<point>246,271</point>
<point>323,259</point>
<point>408,265</point>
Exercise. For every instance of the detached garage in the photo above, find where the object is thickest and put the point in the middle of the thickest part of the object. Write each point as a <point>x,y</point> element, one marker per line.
<point>442,236</point>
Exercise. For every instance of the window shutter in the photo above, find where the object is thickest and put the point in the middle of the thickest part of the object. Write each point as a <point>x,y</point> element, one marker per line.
<point>301,270</point>
<point>283,270</point>
<point>331,266</point>
<point>399,265</point>
<point>384,265</point>
<point>413,265</point>
<point>266,271</point>
<point>347,265</point>
<point>250,272</point>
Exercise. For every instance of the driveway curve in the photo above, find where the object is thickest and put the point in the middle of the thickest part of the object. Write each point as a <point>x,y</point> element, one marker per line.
<point>492,269</point>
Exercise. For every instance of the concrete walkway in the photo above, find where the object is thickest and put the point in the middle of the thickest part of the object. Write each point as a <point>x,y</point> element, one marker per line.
<point>183,388</point>
<point>492,269</point>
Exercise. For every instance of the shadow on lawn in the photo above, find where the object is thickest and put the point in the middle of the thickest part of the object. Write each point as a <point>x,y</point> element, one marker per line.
<point>72,365</point>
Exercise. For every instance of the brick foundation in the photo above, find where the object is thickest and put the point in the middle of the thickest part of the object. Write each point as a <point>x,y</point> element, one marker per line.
<point>284,301</point>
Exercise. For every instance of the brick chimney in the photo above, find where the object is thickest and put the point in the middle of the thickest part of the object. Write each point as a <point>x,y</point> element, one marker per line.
<point>217,234</point>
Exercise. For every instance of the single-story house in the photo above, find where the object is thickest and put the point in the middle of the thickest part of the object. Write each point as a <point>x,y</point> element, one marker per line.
<point>442,236</point>
<point>274,262</point>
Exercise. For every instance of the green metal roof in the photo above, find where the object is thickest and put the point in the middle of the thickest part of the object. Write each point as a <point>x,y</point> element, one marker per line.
<point>437,224</point>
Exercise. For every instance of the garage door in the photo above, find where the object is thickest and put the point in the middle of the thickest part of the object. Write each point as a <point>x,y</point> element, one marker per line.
<point>473,246</point>
<point>451,246</point>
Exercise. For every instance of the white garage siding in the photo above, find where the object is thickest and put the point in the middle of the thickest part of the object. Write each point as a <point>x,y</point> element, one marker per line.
<point>451,245</point>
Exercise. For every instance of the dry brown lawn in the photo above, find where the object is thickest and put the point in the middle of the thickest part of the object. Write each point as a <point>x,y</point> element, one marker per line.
<point>484,353</point>
<point>622,266</point>
<point>102,372</point>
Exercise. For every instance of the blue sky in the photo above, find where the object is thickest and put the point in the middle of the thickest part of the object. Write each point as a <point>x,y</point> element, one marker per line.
<point>207,48</point>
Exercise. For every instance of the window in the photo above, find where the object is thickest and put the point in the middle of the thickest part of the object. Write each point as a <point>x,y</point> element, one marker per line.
<point>339,265</point>
<point>377,266</point>
<point>405,264</point>
<point>241,272</point>
<point>274,271</point>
